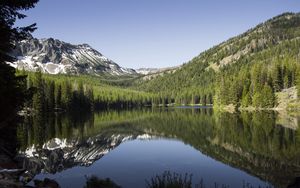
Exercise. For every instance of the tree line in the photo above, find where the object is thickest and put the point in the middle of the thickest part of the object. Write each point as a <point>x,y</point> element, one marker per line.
<point>49,96</point>
<point>51,93</point>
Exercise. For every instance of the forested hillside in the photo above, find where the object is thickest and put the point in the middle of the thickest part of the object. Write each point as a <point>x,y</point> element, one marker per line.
<point>246,70</point>
<point>50,93</point>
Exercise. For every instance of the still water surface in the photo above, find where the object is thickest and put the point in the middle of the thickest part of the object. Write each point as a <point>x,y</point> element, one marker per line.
<point>131,147</point>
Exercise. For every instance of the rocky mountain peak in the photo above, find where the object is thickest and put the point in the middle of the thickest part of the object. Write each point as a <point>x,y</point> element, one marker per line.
<point>55,57</point>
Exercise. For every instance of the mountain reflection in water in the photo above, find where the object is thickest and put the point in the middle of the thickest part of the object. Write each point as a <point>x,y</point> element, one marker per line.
<point>132,146</point>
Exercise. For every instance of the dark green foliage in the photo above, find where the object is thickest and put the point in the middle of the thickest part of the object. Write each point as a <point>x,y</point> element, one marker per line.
<point>277,79</point>
<point>66,94</point>
<point>39,100</point>
<point>183,87</point>
<point>58,103</point>
<point>51,95</point>
<point>12,90</point>
<point>90,97</point>
<point>69,97</point>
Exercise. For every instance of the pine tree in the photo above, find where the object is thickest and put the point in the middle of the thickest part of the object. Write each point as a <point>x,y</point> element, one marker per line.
<point>246,100</point>
<point>51,99</point>
<point>58,97</point>
<point>38,102</point>
<point>203,100</point>
<point>257,99</point>
<point>81,98</point>
<point>279,78</point>
<point>90,97</point>
<point>286,81</point>
<point>13,88</point>
<point>67,94</point>
<point>268,97</point>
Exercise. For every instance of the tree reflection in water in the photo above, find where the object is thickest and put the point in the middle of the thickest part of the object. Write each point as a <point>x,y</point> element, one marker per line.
<point>258,143</point>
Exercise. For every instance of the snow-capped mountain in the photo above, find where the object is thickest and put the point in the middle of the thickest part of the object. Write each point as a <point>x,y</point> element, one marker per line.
<point>54,56</point>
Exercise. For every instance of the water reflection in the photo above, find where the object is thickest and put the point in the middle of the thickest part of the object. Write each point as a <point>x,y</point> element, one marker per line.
<point>95,182</point>
<point>261,143</point>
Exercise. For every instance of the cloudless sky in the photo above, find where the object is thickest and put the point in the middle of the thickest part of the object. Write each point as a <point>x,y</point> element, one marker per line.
<point>151,33</point>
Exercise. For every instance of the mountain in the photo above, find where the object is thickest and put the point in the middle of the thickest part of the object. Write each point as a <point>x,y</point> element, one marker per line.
<point>240,71</point>
<point>54,57</point>
<point>151,73</point>
<point>147,71</point>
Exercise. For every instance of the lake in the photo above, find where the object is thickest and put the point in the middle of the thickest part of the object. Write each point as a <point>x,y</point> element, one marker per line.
<point>134,147</point>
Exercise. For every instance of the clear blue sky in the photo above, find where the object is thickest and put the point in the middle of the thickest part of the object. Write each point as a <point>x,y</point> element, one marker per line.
<point>151,33</point>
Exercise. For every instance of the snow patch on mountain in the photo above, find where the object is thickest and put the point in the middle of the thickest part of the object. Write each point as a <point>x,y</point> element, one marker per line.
<point>29,63</point>
<point>57,57</point>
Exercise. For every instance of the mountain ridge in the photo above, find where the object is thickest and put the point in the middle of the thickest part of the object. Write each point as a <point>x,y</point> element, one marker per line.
<point>54,56</point>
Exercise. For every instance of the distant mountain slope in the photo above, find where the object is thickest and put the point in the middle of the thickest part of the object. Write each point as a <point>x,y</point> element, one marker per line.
<point>147,71</point>
<point>151,73</point>
<point>271,41</point>
<point>54,56</point>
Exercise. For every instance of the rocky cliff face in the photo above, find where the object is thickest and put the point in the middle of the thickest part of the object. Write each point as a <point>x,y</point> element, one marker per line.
<point>55,57</point>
